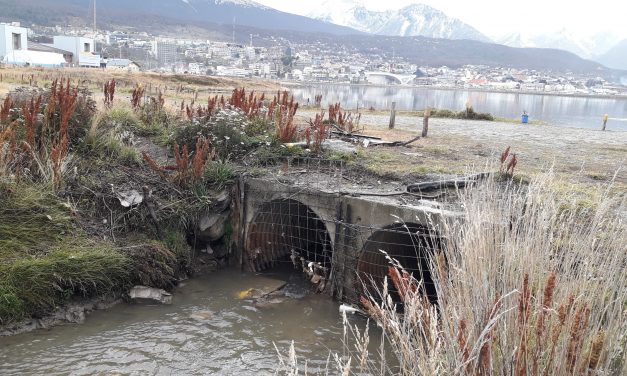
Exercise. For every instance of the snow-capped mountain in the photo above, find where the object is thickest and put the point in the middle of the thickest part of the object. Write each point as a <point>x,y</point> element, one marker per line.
<point>412,20</point>
<point>584,46</point>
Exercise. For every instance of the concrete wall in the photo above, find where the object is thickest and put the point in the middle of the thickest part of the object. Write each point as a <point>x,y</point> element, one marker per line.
<point>349,221</point>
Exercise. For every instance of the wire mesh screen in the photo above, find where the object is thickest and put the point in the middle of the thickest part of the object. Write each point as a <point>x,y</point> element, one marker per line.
<point>300,216</point>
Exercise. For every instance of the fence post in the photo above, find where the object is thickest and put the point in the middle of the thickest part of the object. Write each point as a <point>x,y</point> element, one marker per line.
<point>425,121</point>
<point>393,115</point>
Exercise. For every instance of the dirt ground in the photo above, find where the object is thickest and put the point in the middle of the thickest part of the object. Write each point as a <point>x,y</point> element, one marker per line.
<point>579,156</point>
<point>10,78</point>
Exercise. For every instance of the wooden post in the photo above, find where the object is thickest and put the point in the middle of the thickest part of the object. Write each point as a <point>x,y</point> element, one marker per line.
<point>425,122</point>
<point>393,115</point>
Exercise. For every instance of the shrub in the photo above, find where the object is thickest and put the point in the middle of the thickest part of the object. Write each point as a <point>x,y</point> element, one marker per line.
<point>226,130</point>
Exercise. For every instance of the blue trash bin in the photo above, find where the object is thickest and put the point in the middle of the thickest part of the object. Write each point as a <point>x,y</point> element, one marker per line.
<point>525,118</point>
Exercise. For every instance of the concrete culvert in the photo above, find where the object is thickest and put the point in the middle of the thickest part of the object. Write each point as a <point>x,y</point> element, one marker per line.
<point>285,229</point>
<point>410,244</point>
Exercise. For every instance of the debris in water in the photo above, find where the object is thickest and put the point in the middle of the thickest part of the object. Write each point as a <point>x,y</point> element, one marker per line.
<point>201,316</point>
<point>345,308</point>
<point>244,294</point>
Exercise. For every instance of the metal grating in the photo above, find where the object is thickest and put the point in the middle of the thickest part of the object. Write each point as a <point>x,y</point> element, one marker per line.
<point>299,217</point>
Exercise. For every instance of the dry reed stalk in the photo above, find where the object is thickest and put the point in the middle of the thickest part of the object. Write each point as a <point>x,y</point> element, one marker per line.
<point>528,283</point>
<point>202,156</point>
<point>137,96</point>
<point>30,112</point>
<point>5,109</point>
<point>109,92</point>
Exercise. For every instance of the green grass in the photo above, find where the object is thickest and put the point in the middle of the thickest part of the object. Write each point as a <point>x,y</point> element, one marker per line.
<point>219,175</point>
<point>31,219</point>
<point>43,261</point>
<point>35,285</point>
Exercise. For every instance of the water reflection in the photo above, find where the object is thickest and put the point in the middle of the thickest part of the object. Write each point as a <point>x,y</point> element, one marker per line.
<point>581,112</point>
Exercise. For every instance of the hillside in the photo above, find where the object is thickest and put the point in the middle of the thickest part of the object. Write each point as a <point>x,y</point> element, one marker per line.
<point>238,12</point>
<point>616,57</point>
<point>455,53</point>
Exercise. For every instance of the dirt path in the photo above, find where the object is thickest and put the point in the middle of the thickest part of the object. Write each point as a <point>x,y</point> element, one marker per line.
<point>454,145</point>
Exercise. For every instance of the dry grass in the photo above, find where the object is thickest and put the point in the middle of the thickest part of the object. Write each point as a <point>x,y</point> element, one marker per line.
<point>527,283</point>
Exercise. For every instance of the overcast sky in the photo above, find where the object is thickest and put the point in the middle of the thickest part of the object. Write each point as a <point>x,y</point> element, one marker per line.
<point>499,17</point>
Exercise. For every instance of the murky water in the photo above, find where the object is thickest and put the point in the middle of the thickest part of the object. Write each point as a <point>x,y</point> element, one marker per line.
<point>580,112</point>
<point>207,330</point>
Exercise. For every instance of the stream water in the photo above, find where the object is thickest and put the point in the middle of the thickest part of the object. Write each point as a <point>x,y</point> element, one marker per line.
<point>207,330</point>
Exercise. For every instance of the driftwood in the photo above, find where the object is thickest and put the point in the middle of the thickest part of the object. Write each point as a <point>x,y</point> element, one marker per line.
<point>396,143</point>
<point>443,184</point>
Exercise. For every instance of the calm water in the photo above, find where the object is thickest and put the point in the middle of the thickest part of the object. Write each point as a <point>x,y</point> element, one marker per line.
<point>237,338</point>
<point>581,112</point>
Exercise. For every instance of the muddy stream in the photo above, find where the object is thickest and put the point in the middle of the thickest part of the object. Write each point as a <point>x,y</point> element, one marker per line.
<point>208,330</point>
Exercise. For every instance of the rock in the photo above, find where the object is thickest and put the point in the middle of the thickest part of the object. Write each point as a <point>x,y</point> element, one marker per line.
<point>267,302</point>
<point>222,201</point>
<point>213,226</point>
<point>143,293</point>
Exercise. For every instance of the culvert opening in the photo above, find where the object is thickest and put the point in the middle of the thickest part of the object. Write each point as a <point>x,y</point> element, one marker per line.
<point>410,244</point>
<point>287,230</point>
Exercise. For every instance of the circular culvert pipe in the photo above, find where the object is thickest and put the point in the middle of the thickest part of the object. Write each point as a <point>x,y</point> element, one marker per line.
<point>410,244</point>
<point>285,227</point>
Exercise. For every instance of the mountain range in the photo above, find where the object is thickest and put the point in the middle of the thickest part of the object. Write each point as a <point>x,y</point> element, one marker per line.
<point>227,12</point>
<point>227,19</point>
<point>616,57</point>
<point>412,20</point>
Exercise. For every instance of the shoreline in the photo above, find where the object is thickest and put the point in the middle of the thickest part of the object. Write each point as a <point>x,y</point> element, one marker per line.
<point>450,88</point>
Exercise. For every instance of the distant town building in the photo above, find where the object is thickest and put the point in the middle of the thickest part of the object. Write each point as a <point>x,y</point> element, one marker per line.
<point>165,51</point>
<point>82,49</point>
<point>14,49</point>
<point>13,40</point>
<point>123,64</point>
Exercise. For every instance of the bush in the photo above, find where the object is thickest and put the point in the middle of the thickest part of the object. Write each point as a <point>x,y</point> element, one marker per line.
<point>468,114</point>
<point>226,131</point>
<point>258,127</point>
<point>154,265</point>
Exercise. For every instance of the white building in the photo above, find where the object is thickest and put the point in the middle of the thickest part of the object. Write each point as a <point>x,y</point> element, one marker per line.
<point>14,49</point>
<point>82,49</point>
<point>165,50</point>
<point>123,65</point>
<point>13,38</point>
<point>196,68</point>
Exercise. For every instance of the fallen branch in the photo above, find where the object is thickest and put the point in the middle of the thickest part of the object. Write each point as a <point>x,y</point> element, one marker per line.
<point>443,184</point>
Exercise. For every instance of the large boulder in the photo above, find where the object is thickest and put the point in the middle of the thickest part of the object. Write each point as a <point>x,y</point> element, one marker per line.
<point>144,294</point>
<point>212,226</point>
